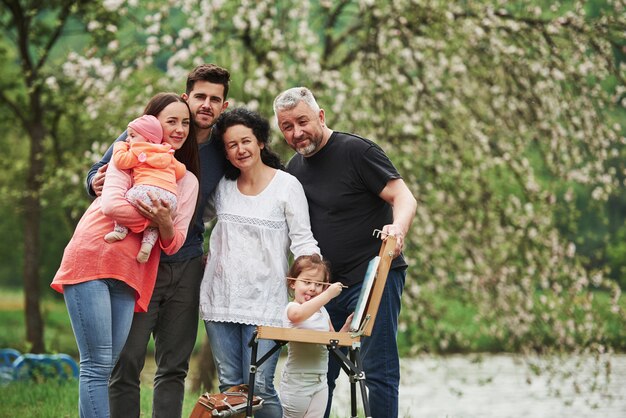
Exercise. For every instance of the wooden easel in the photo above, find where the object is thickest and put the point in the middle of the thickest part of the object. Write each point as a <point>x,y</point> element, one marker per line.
<point>334,341</point>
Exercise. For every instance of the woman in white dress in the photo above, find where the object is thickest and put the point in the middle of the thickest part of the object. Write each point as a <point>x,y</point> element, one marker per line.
<point>262,216</point>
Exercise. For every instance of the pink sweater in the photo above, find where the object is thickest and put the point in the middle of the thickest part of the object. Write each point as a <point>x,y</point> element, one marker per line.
<point>88,256</point>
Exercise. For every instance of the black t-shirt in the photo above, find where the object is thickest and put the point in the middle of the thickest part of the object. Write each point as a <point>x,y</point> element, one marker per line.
<point>342,183</point>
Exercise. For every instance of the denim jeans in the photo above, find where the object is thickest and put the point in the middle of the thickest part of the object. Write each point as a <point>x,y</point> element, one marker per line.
<point>172,318</point>
<point>379,352</point>
<point>232,354</point>
<point>101,312</point>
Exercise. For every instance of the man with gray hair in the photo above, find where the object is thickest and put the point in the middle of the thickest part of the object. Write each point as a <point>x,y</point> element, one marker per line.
<point>352,188</point>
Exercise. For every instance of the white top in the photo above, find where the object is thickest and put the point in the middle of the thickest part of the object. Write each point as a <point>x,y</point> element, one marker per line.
<point>244,279</point>
<point>306,357</point>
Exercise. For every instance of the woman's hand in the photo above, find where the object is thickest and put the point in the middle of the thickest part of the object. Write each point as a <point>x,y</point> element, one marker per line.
<point>159,213</point>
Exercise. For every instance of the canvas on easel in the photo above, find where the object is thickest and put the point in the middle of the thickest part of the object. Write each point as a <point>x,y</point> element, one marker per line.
<point>364,296</point>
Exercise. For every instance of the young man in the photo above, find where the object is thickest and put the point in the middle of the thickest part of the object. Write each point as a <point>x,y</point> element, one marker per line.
<point>172,315</point>
<point>352,188</point>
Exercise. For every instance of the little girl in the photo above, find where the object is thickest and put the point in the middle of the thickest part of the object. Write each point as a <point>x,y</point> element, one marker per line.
<point>154,170</point>
<point>303,388</point>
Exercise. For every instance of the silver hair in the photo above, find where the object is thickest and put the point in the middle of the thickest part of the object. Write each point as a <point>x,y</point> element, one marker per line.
<point>289,99</point>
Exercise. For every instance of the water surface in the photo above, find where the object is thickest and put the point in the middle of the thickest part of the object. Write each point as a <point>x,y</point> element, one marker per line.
<point>500,386</point>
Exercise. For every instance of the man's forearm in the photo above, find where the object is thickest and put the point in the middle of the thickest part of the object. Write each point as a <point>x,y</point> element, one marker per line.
<point>104,160</point>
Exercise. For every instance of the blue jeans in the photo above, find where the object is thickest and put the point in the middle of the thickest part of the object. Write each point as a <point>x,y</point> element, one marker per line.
<point>101,312</point>
<point>379,352</point>
<point>232,354</point>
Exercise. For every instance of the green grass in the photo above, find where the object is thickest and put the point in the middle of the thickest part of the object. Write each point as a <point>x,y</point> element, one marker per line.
<point>59,399</point>
<point>52,398</point>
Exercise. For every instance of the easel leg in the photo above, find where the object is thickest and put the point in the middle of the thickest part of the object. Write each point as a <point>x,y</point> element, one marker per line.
<point>352,376</point>
<point>351,364</point>
<point>255,364</point>
<point>356,358</point>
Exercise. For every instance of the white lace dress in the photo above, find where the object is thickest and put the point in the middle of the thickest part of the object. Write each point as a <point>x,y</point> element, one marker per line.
<point>244,279</point>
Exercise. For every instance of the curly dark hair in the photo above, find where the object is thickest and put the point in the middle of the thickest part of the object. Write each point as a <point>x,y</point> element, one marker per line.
<point>260,128</point>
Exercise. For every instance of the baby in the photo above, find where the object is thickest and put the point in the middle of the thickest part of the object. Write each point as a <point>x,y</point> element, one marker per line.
<point>154,169</point>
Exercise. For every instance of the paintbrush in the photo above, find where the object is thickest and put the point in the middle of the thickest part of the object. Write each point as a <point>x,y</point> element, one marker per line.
<point>315,281</point>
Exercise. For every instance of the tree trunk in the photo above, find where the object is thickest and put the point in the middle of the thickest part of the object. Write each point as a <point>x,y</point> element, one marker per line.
<point>32,219</point>
<point>204,380</point>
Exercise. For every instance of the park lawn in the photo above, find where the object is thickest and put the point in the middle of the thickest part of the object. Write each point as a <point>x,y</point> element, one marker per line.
<point>55,398</point>
<point>51,398</point>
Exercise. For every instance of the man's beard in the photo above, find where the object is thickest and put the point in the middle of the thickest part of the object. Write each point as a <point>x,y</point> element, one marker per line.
<point>308,150</point>
<point>312,148</point>
<point>203,125</point>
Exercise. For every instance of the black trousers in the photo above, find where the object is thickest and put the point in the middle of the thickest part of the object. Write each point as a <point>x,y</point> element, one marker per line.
<point>172,319</point>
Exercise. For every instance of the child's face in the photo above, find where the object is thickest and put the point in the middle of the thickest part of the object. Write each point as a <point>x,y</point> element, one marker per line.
<point>134,136</point>
<point>304,289</point>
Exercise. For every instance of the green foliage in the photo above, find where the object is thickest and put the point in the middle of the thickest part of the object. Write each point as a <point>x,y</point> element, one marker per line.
<point>448,322</point>
<point>58,336</point>
<point>616,255</point>
<point>504,118</point>
<point>11,247</point>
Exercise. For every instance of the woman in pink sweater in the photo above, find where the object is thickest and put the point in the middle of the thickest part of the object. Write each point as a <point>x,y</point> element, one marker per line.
<point>103,284</point>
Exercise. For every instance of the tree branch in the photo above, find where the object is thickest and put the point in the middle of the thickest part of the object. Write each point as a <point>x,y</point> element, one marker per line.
<point>329,45</point>
<point>17,111</point>
<point>22,23</point>
<point>63,16</point>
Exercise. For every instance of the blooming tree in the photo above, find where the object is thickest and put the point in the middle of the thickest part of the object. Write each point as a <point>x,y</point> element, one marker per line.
<point>494,112</point>
<point>497,113</point>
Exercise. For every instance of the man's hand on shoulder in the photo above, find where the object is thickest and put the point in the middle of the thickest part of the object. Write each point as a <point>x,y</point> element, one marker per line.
<point>98,180</point>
